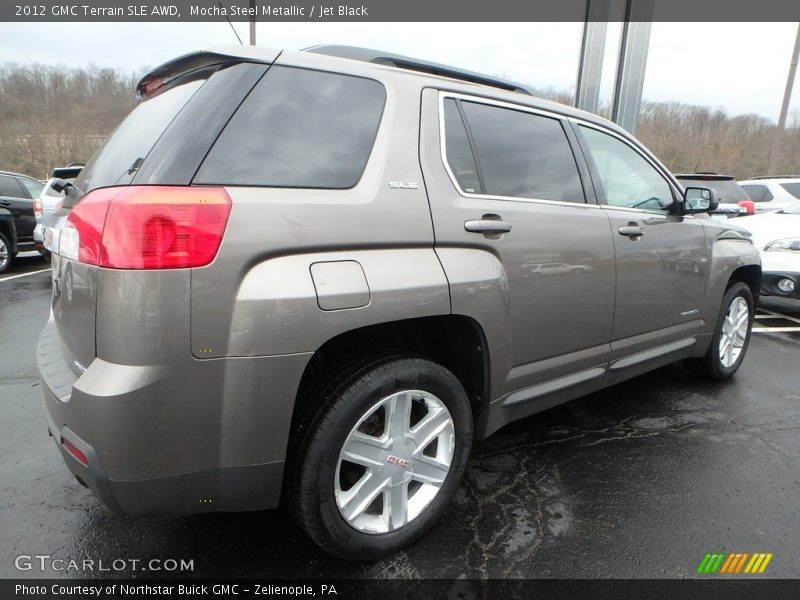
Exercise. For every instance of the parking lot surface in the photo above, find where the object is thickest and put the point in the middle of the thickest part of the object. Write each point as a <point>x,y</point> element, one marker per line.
<point>639,480</point>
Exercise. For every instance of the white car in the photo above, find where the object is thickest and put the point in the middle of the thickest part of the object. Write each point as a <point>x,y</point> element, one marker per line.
<point>772,193</point>
<point>777,236</point>
<point>45,205</point>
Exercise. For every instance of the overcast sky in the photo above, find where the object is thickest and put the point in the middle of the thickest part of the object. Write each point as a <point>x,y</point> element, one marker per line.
<point>739,67</point>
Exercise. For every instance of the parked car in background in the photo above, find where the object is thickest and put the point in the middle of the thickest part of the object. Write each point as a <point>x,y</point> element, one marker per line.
<point>47,201</point>
<point>17,194</point>
<point>733,200</point>
<point>772,193</point>
<point>777,236</point>
<point>323,293</point>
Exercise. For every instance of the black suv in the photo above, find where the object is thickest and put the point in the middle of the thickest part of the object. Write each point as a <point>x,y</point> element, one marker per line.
<point>17,193</point>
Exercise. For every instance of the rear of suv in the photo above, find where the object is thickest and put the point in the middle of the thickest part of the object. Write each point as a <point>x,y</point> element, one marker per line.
<point>733,201</point>
<point>313,278</point>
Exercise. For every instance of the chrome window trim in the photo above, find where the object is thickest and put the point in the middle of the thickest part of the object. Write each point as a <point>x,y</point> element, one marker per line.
<point>502,104</point>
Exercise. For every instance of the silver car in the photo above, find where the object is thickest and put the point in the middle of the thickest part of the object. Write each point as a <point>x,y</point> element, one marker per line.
<point>324,293</point>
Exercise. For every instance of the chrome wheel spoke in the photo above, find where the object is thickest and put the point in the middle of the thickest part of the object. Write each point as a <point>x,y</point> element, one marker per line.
<point>357,499</point>
<point>429,470</point>
<point>364,450</point>
<point>429,428</point>
<point>398,414</point>
<point>396,501</point>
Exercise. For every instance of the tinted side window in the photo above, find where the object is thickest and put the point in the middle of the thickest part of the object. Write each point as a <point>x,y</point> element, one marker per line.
<point>10,188</point>
<point>458,150</point>
<point>523,155</point>
<point>299,128</point>
<point>758,193</point>
<point>628,179</point>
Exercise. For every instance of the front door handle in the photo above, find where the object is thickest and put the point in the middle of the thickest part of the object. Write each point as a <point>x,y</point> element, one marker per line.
<point>488,224</point>
<point>632,230</point>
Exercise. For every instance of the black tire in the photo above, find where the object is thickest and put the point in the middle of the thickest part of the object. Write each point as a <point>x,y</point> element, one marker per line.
<point>710,366</point>
<point>337,407</point>
<point>5,265</point>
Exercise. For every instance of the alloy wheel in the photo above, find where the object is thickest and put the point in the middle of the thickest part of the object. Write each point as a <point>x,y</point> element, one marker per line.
<point>734,332</point>
<point>3,254</point>
<point>394,461</point>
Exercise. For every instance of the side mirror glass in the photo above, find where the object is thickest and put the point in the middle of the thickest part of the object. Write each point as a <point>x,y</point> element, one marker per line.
<point>699,200</point>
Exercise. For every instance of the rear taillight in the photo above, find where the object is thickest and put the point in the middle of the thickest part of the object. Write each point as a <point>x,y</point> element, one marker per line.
<point>147,227</point>
<point>37,209</point>
<point>748,205</point>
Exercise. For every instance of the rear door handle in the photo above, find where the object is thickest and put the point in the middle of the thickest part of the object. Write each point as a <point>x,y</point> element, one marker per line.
<point>488,224</point>
<point>632,230</point>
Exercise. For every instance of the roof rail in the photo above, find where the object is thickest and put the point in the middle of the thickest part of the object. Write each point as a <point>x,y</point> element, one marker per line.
<point>777,177</point>
<point>413,64</point>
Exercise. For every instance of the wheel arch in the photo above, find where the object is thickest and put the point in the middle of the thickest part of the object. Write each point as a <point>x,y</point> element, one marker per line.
<point>457,342</point>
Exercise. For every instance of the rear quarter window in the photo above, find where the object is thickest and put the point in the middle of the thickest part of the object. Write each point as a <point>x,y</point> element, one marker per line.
<point>131,142</point>
<point>298,128</point>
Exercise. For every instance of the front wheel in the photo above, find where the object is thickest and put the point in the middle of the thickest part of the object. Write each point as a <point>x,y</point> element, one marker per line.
<point>731,336</point>
<point>6,256</point>
<point>383,457</point>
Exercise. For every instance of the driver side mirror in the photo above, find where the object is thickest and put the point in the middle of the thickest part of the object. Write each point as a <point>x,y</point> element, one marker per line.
<point>699,200</point>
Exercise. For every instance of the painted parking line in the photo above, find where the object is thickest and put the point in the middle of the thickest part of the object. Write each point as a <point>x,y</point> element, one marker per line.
<point>24,274</point>
<point>776,329</point>
<point>772,314</point>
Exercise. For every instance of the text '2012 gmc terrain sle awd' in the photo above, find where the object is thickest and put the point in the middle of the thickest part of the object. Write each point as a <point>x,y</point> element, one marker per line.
<point>313,277</point>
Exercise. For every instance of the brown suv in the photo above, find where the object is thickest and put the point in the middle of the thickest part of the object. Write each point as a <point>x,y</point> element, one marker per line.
<point>316,276</point>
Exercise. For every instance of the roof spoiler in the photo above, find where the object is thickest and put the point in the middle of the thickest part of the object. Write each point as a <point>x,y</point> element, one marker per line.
<point>67,172</point>
<point>412,64</point>
<point>162,77</point>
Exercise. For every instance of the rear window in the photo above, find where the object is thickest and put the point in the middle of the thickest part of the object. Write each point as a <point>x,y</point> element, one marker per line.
<point>725,190</point>
<point>758,193</point>
<point>130,143</point>
<point>298,128</point>
<point>792,188</point>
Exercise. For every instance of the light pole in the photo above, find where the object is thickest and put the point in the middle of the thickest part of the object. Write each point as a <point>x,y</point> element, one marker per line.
<point>252,22</point>
<point>787,96</point>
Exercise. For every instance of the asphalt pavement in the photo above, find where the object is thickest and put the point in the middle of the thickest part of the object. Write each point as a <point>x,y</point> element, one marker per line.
<point>639,480</point>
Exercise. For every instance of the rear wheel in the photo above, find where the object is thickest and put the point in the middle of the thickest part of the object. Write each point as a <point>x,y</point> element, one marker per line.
<point>6,256</point>
<point>731,337</point>
<point>383,457</point>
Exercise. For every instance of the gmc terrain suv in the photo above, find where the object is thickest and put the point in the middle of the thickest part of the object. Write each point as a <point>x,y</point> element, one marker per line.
<point>314,277</point>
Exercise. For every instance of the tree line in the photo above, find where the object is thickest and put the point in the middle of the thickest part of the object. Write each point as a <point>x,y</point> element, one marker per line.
<point>51,116</point>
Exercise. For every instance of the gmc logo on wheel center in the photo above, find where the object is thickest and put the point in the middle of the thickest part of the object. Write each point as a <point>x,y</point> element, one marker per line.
<point>400,462</point>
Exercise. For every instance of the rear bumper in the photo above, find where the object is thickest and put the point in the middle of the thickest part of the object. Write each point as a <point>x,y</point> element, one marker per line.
<point>146,458</point>
<point>250,487</point>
